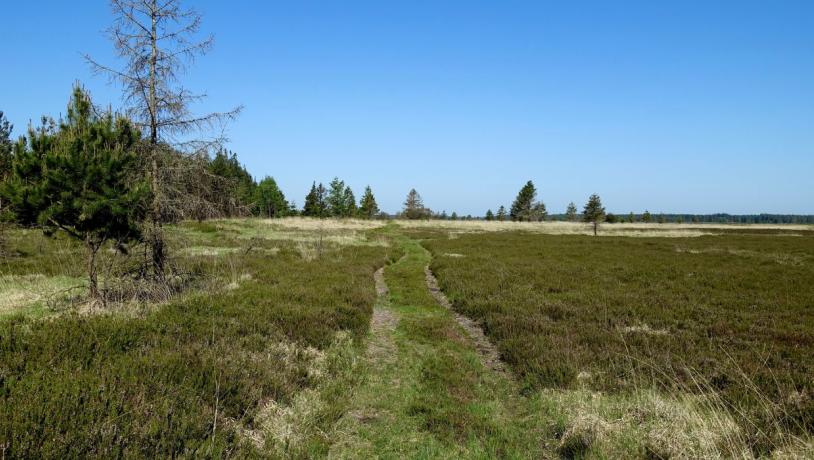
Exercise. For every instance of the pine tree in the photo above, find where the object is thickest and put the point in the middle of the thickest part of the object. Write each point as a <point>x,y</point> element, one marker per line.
<point>349,205</point>
<point>646,217</point>
<point>414,206</point>
<point>269,199</point>
<point>315,202</point>
<point>80,178</point>
<point>594,212</point>
<point>489,215</point>
<point>368,208</point>
<point>336,198</point>
<point>631,218</point>
<point>525,207</point>
<point>5,147</point>
<point>453,216</point>
<point>571,212</point>
<point>501,213</point>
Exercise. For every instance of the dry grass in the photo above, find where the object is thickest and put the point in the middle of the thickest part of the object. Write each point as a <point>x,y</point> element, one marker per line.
<point>579,228</point>
<point>26,291</point>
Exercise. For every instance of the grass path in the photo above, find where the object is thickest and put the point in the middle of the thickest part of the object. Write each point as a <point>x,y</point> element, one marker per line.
<point>425,391</point>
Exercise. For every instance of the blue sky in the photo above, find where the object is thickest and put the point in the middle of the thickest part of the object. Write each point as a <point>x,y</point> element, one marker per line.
<point>685,106</point>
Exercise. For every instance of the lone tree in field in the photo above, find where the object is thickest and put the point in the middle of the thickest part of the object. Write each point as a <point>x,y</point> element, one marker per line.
<point>525,207</point>
<point>501,213</point>
<point>490,216</point>
<point>368,208</point>
<point>594,212</point>
<point>156,39</point>
<point>571,212</point>
<point>414,206</point>
<point>81,179</point>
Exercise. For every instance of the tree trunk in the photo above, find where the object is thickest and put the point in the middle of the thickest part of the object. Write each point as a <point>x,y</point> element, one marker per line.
<point>596,225</point>
<point>93,283</point>
<point>156,236</point>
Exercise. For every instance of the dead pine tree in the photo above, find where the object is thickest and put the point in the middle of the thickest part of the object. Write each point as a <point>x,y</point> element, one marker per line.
<point>156,42</point>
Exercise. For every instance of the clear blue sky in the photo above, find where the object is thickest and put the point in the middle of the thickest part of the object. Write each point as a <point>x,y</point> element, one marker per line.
<point>693,106</point>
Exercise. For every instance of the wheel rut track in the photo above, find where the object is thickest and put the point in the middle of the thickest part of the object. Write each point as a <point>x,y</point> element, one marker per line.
<point>485,348</point>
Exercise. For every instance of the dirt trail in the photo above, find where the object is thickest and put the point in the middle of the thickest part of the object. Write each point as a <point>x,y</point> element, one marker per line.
<point>486,349</point>
<point>382,324</point>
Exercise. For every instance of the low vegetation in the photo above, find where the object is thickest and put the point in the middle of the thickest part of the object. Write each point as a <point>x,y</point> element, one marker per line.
<point>727,317</point>
<point>189,377</point>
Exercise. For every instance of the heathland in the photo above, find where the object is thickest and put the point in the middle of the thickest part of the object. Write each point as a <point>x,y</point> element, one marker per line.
<point>305,337</point>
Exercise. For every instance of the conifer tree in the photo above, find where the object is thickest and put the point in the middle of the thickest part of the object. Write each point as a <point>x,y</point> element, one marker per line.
<point>269,199</point>
<point>594,212</point>
<point>646,217</point>
<point>5,147</point>
<point>336,198</point>
<point>5,155</point>
<point>501,213</point>
<point>525,207</point>
<point>631,218</point>
<point>157,40</point>
<point>368,208</point>
<point>571,212</point>
<point>80,179</point>
<point>349,203</point>
<point>315,202</point>
<point>453,216</point>
<point>489,215</point>
<point>414,206</point>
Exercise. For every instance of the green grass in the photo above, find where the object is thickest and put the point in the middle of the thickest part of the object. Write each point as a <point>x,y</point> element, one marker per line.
<point>729,315</point>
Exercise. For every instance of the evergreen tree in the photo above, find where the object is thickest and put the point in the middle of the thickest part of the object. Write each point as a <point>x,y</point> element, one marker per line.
<point>414,207</point>
<point>646,217</point>
<point>368,208</point>
<point>315,202</point>
<point>6,147</point>
<point>336,198</point>
<point>571,212</point>
<point>501,213</point>
<point>349,205</point>
<point>269,199</point>
<point>489,215</point>
<point>80,179</point>
<point>631,218</point>
<point>525,207</point>
<point>594,212</point>
<point>453,216</point>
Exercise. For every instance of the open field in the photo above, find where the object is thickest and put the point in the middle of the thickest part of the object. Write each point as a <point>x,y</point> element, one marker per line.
<point>729,315</point>
<point>278,345</point>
